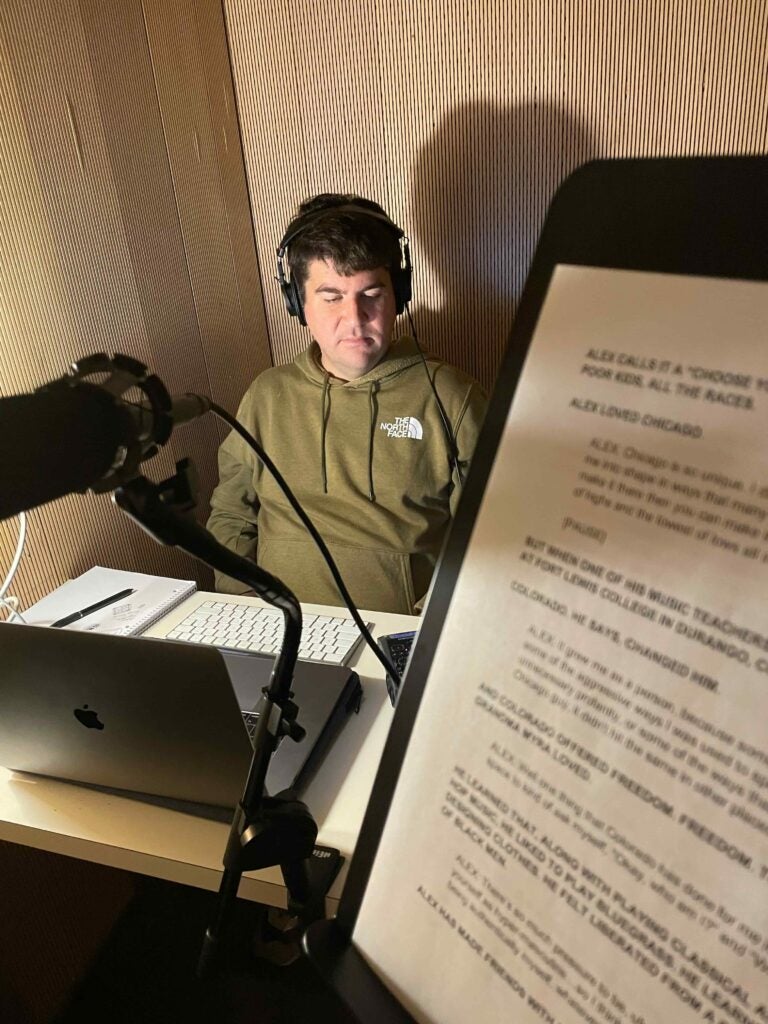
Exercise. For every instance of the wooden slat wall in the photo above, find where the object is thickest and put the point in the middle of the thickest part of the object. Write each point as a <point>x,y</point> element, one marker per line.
<point>125,226</point>
<point>462,116</point>
<point>124,214</point>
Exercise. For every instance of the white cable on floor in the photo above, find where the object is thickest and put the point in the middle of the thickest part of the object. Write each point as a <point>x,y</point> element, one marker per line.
<point>12,603</point>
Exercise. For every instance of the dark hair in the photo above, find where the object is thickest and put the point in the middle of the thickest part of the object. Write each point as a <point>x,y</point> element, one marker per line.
<point>350,241</point>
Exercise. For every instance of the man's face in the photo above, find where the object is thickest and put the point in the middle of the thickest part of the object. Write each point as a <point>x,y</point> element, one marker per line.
<point>350,317</point>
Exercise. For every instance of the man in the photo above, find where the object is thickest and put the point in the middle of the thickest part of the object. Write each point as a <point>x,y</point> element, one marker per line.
<point>352,423</point>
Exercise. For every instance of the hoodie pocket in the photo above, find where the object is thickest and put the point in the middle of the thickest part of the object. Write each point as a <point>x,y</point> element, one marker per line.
<point>377,579</point>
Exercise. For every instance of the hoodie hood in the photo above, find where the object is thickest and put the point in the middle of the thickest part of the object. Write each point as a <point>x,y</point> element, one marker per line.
<point>401,354</point>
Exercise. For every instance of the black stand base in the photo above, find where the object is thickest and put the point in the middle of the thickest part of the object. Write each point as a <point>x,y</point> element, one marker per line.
<point>346,972</point>
<point>279,935</point>
<point>318,872</point>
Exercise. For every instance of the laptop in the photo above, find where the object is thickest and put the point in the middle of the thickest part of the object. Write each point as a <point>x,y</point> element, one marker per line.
<point>155,717</point>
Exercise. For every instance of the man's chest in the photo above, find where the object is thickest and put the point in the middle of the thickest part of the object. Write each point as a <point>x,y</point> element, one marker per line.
<point>355,443</point>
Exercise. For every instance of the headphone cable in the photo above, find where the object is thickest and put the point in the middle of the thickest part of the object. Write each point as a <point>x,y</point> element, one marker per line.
<point>453,450</point>
<point>251,441</point>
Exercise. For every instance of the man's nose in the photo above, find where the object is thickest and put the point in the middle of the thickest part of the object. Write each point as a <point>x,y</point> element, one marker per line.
<point>355,309</point>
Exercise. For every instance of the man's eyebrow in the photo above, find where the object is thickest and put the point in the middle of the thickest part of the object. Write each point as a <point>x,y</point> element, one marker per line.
<point>332,290</point>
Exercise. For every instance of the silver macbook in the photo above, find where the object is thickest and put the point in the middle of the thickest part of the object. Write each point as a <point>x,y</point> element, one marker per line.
<point>154,716</point>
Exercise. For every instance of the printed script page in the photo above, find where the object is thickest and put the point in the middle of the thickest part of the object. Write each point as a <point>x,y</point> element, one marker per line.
<point>580,831</point>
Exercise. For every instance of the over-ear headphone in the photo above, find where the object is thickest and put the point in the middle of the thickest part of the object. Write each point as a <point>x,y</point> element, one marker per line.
<point>401,275</point>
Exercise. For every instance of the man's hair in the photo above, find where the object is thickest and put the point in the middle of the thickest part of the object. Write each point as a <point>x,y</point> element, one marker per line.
<point>350,241</point>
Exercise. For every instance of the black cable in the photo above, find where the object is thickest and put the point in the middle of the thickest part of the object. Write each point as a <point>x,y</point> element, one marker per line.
<point>254,444</point>
<point>453,448</point>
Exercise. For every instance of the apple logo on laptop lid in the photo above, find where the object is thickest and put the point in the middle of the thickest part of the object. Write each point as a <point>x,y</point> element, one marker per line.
<point>88,717</point>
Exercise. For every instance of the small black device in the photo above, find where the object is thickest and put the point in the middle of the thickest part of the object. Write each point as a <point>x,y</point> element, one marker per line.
<point>397,647</point>
<point>401,276</point>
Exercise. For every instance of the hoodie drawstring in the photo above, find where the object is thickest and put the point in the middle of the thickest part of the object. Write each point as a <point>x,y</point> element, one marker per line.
<point>324,418</point>
<point>374,386</point>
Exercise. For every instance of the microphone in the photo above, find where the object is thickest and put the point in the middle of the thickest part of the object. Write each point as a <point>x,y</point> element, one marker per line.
<point>80,434</point>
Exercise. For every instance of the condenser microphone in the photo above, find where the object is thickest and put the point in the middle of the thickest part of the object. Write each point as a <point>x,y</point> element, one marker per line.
<point>75,435</point>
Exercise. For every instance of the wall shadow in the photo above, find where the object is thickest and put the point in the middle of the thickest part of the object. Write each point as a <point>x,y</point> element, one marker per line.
<point>478,195</point>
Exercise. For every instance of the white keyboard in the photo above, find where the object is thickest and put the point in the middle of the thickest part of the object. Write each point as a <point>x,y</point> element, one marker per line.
<point>242,627</point>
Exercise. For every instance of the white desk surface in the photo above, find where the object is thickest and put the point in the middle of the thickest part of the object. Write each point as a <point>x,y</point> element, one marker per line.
<point>73,820</point>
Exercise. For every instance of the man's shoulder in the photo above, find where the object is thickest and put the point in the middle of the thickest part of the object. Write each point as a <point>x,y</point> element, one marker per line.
<point>460,395</point>
<point>449,372</point>
<point>452,379</point>
<point>262,394</point>
<point>405,362</point>
<point>455,387</point>
<point>274,378</point>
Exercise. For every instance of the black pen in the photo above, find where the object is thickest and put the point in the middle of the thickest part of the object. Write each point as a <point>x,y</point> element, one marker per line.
<point>93,608</point>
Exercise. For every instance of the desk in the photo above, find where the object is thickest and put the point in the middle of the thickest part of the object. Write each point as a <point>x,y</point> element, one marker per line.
<point>121,832</point>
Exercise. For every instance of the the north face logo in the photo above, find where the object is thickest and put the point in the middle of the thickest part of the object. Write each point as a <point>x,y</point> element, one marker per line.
<point>404,426</point>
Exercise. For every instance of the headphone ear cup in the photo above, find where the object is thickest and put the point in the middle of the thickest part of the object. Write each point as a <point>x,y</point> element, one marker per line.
<point>289,289</point>
<point>297,306</point>
<point>292,301</point>
<point>401,282</point>
<point>399,290</point>
<point>285,290</point>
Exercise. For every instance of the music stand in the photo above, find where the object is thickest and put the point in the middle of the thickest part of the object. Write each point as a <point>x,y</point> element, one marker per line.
<point>690,216</point>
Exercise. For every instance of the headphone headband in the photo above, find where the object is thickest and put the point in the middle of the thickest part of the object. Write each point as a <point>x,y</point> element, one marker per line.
<point>303,221</point>
<point>401,276</point>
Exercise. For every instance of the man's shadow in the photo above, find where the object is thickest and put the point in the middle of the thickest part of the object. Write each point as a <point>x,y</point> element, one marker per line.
<point>479,193</point>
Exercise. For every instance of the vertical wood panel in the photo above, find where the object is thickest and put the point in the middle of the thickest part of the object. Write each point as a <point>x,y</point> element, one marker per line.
<point>50,63</point>
<point>191,135</point>
<point>462,117</point>
<point>252,346</point>
<point>133,134</point>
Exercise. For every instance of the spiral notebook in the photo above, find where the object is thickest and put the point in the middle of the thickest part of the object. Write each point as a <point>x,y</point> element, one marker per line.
<point>151,597</point>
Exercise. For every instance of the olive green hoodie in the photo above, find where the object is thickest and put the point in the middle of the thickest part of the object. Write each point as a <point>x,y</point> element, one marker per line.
<point>368,461</point>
